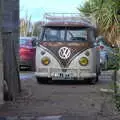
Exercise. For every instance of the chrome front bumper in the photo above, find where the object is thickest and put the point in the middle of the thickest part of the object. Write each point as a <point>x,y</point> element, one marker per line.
<point>58,74</point>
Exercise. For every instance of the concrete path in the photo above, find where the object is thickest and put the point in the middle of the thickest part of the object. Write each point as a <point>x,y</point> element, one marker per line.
<point>61,101</point>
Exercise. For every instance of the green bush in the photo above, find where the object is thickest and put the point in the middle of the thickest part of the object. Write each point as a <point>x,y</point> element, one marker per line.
<point>116,67</point>
<point>114,59</point>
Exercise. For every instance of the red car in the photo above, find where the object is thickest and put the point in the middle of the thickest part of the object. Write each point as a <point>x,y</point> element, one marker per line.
<point>27,52</point>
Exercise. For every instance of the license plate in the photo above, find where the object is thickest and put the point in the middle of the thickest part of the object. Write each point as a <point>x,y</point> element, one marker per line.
<point>63,76</point>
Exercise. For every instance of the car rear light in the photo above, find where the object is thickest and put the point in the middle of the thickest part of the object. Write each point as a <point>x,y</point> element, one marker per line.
<point>101,47</point>
<point>25,50</point>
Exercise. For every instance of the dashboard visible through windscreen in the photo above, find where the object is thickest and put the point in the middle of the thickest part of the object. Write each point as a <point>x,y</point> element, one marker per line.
<point>65,34</point>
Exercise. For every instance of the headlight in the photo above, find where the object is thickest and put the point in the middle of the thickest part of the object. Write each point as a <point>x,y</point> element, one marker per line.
<point>45,60</point>
<point>83,61</point>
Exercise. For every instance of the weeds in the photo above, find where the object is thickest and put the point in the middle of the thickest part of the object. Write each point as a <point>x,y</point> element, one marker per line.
<point>116,79</point>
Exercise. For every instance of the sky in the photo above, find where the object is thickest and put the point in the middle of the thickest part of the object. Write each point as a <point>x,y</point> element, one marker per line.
<point>37,8</point>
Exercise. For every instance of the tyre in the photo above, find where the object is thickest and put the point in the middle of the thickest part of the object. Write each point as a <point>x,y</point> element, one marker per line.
<point>93,81</point>
<point>7,97</point>
<point>42,80</point>
<point>32,68</point>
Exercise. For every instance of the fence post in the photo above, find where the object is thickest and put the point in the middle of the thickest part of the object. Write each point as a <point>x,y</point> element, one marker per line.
<point>115,82</point>
<point>115,75</point>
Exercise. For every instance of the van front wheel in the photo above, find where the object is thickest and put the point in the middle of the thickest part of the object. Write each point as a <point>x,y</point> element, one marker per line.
<point>93,81</point>
<point>42,80</point>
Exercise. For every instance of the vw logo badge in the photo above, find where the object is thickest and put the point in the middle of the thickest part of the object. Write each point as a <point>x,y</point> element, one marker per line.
<point>64,52</point>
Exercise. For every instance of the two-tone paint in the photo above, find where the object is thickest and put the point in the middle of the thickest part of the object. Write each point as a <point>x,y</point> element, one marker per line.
<point>58,64</point>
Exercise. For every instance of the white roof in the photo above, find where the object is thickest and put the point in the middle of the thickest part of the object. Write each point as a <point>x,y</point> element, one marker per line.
<point>69,17</point>
<point>28,37</point>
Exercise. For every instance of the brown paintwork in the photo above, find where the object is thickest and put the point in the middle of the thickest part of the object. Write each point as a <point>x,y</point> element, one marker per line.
<point>75,48</point>
<point>64,24</point>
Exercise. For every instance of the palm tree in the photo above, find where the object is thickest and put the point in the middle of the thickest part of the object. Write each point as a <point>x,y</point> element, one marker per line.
<point>107,19</point>
<point>36,28</point>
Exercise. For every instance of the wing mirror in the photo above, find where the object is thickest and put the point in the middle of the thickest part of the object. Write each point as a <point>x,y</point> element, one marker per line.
<point>34,43</point>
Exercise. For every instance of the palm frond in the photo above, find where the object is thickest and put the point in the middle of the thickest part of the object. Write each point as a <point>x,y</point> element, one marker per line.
<point>105,14</point>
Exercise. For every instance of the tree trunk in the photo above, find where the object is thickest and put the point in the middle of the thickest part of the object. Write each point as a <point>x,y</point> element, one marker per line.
<point>1,56</point>
<point>1,71</point>
<point>10,37</point>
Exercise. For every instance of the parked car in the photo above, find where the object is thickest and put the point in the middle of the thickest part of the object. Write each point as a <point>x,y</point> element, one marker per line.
<point>27,52</point>
<point>105,52</point>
